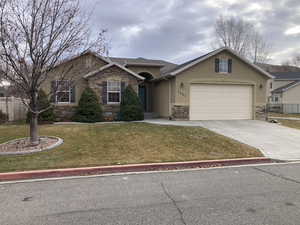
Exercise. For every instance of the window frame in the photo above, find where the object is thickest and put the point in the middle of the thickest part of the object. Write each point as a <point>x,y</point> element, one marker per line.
<point>68,91</point>
<point>112,91</point>
<point>223,62</point>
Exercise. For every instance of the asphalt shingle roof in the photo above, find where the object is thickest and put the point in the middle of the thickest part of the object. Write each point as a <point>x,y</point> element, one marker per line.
<point>287,75</point>
<point>144,62</point>
<point>184,64</point>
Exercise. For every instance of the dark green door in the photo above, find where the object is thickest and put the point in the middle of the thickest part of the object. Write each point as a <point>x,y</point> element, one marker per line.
<point>143,96</point>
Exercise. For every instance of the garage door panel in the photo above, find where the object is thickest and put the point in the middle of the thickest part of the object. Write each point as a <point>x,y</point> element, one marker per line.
<point>220,102</point>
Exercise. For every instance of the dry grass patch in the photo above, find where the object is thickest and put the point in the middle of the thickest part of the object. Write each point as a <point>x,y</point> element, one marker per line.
<point>126,143</point>
<point>284,115</point>
<point>291,123</point>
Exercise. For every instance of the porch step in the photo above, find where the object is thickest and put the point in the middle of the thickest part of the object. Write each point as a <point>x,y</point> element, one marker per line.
<point>150,115</point>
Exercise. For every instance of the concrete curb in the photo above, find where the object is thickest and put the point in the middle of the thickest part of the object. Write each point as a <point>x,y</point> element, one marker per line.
<point>58,143</point>
<point>128,168</point>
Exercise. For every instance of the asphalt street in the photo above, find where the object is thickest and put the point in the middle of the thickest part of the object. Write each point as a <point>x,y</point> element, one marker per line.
<point>262,195</point>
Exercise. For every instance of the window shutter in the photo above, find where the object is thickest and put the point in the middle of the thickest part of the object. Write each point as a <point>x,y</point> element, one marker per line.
<point>53,94</point>
<point>73,93</point>
<point>123,86</point>
<point>104,92</point>
<point>217,64</point>
<point>229,65</point>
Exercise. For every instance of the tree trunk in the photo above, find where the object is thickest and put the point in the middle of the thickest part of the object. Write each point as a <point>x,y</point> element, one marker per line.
<point>34,138</point>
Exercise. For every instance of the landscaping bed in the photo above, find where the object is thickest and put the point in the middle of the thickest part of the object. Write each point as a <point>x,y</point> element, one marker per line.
<point>23,146</point>
<point>120,144</point>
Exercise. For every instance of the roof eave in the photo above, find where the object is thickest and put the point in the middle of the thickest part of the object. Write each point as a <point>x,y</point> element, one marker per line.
<point>174,73</point>
<point>110,65</point>
<point>144,64</point>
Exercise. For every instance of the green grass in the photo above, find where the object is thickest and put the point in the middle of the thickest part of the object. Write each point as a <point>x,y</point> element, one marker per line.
<point>126,143</point>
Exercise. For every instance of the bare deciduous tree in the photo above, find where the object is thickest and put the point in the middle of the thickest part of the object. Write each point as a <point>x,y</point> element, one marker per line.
<point>242,37</point>
<point>35,35</point>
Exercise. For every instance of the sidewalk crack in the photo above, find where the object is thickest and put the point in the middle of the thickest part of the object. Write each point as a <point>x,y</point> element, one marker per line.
<point>277,175</point>
<point>174,203</point>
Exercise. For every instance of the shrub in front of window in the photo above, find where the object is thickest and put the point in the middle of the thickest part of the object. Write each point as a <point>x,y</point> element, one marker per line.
<point>131,108</point>
<point>89,109</point>
<point>47,116</point>
<point>3,117</point>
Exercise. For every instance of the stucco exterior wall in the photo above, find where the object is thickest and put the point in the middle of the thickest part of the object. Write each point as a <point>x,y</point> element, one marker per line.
<point>204,72</point>
<point>161,100</point>
<point>74,70</point>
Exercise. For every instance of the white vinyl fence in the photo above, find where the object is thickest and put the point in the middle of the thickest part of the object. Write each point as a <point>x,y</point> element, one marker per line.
<point>13,107</point>
<point>284,108</point>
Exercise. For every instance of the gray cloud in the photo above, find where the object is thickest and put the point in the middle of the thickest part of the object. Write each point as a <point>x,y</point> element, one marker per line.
<point>179,30</point>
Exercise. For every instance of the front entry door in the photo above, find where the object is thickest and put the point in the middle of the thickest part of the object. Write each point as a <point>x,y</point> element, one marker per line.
<point>143,96</point>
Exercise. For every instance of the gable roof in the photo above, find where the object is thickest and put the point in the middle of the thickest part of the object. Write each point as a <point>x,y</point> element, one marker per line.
<point>139,61</point>
<point>286,75</point>
<point>286,87</point>
<point>162,64</point>
<point>110,65</point>
<point>187,65</point>
<point>82,54</point>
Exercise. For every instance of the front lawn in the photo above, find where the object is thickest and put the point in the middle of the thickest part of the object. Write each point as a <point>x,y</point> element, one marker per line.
<point>125,143</point>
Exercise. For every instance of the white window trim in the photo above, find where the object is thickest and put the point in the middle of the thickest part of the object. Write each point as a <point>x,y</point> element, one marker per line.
<point>223,72</point>
<point>120,92</point>
<point>69,91</point>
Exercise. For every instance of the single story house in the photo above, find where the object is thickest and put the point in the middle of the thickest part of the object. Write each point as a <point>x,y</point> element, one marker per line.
<point>220,85</point>
<point>285,88</point>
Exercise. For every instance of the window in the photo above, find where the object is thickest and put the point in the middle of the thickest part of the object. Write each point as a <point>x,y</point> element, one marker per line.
<point>64,91</point>
<point>271,85</point>
<point>276,99</point>
<point>113,92</point>
<point>223,66</point>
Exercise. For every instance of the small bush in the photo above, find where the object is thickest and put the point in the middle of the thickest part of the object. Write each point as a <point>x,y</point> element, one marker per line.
<point>89,109</point>
<point>3,117</point>
<point>131,108</point>
<point>43,103</point>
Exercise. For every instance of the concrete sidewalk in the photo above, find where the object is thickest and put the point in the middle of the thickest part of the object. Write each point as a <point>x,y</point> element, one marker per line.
<point>275,141</point>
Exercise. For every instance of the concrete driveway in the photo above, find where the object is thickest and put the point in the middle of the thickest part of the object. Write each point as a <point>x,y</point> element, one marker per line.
<point>273,140</point>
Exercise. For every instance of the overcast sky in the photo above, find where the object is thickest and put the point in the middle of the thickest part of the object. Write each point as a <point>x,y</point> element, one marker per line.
<point>178,30</point>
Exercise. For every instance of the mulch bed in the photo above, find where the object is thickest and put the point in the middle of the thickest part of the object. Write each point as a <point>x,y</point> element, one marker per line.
<point>23,146</point>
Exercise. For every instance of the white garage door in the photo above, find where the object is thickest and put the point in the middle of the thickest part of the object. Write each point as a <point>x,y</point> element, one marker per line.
<point>221,102</point>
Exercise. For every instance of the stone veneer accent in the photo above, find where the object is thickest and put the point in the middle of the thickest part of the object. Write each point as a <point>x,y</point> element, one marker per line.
<point>261,113</point>
<point>64,113</point>
<point>180,112</point>
<point>111,111</point>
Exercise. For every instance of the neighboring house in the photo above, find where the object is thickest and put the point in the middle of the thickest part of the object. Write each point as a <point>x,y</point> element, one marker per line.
<point>285,88</point>
<point>278,68</point>
<point>217,86</point>
<point>2,91</point>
